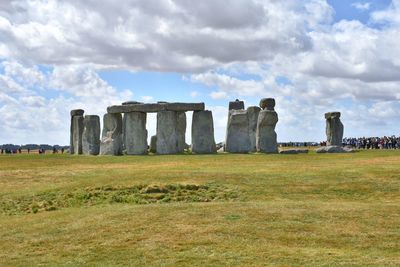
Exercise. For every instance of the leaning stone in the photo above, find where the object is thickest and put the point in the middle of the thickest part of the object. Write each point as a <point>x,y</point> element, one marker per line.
<point>91,135</point>
<point>252,113</point>
<point>203,141</point>
<point>135,133</point>
<point>167,133</point>
<point>334,129</point>
<point>181,127</point>
<point>267,103</point>
<point>237,133</point>
<point>236,105</point>
<point>266,138</point>
<point>77,132</point>
<point>153,144</point>
<point>111,141</point>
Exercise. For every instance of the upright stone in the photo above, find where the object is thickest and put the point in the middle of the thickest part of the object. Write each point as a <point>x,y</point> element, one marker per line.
<point>266,138</point>
<point>124,120</point>
<point>91,135</point>
<point>237,133</point>
<point>181,126</point>
<point>153,144</point>
<point>111,141</point>
<point>75,132</point>
<point>203,141</point>
<point>334,129</point>
<point>167,132</point>
<point>135,133</point>
<point>236,105</point>
<point>252,113</point>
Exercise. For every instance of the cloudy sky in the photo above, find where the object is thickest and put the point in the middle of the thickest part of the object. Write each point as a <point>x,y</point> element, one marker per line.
<point>312,56</point>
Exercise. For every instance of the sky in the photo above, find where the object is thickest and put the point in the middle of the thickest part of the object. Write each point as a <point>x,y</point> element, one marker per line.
<point>312,56</point>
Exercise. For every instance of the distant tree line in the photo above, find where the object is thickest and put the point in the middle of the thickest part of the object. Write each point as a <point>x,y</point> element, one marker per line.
<point>13,147</point>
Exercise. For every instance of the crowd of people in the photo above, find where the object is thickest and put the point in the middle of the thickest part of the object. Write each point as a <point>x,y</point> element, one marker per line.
<point>386,142</point>
<point>19,151</point>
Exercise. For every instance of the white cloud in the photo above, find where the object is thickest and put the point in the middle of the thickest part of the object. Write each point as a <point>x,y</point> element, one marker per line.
<point>147,98</point>
<point>194,94</point>
<point>361,6</point>
<point>218,95</point>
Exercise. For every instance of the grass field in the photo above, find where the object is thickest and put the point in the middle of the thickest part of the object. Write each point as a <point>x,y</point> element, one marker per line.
<point>213,210</point>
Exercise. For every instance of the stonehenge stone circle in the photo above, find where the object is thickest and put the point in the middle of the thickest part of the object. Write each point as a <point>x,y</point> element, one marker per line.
<point>167,133</point>
<point>156,107</point>
<point>153,144</point>
<point>334,129</point>
<point>267,103</point>
<point>266,138</point>
<point>91,135</point>
<point>76,129</point>
<point>252,113</point>
<point>237,133</point>
<point>236,105</point>
<point>181,127</point>
<point>111,141</point>
<point>135,135</point>
<point>203,141</point>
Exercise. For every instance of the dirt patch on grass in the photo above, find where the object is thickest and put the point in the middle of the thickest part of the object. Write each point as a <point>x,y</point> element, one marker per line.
<point>138,194</point>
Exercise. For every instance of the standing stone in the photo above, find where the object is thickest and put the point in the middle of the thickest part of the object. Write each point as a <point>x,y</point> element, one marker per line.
<point>236,105</point>
<point>135,133</point>
<point>252,113</point>
<point>91,135</point>
<point>203,141</point>
<point>181,126</point>
<point>74,132</point>
<point>124,121</point>
<point>237,133</point>
<point>111,141</point>
<point>167,133</point>
<point>153,144</point>
<point>334,129</point>
<point>266,138</point>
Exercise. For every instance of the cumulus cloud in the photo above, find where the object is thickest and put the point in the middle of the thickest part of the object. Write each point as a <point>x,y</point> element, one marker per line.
<point>361,6</point>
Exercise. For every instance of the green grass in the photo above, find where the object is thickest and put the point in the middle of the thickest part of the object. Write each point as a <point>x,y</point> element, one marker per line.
<point>211,210</point>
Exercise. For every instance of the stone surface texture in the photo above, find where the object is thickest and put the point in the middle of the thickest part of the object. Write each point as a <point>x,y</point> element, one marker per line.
<point>334,149</point>
<point>237,133</point>
<point>153,144</point>
<point>267,103</point>
<point>294,151</point>
<point>203,141</point>
<point>334,129</point>
<point>252,113</point>
<point>167,133</point>
<point>135,135</point>
<point>181,127</point>
<point>236,105</point>
<point>111,141</point>
<point>156,107</point>
<point>266,138</point>
<point>91,135</point>
<point>76,133</point>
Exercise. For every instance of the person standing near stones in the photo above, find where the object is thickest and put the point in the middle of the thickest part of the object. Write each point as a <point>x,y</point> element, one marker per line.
<point>266,137</point>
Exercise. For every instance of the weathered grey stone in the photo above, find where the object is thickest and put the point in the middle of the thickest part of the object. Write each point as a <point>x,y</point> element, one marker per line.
<point>77,112</point>
<point>131,103</point>
<point>237,133</point>
<point>167,133</point>
<point>91,135</point>
<point>135,133</point>
<point>266,138</point>
<point>153,144</point>
<point>156,107</point>
<point>334,129</point>
<point>111,141</point>
<point>76,134</point>
<point>294,151</point>
<point>267,103</point>
<point>203,141</point>
<point>252,113</point>
<point>236,105</point>
<point>333,149</point>
<point>181,127</point>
